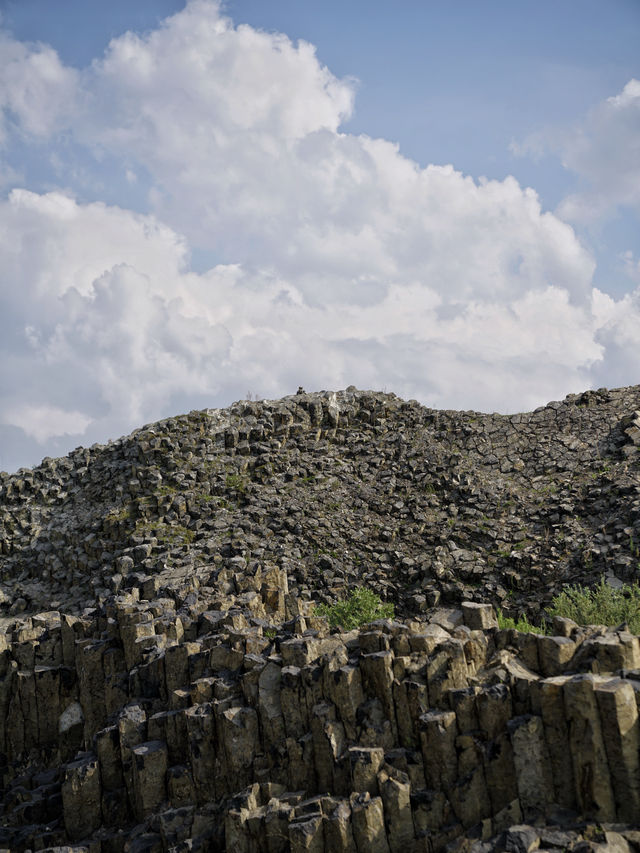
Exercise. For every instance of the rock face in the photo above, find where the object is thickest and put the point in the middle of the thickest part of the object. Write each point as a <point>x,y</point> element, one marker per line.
<point>243,736</point>
<point>166,686</point>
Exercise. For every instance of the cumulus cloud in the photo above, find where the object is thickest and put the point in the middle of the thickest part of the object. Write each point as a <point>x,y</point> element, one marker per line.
<point>604,153</point>
<point>344,262</point>
<point>239,129</point>
<point>618,332</point>
<point>91,299</point>
<point>37,91</point>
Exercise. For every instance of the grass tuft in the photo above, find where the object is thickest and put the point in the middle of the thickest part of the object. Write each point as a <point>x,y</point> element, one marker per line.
<point>523,624</point>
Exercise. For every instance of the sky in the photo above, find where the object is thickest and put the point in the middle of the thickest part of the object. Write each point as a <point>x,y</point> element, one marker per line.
<point>202,201</point>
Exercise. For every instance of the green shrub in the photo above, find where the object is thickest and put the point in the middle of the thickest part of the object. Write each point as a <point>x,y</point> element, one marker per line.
<point>599,605</point>
<point>235,482</point>
<point>522,624</point>
<point>362,606</point>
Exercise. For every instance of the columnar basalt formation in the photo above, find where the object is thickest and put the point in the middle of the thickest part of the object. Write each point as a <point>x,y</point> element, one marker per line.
<point>157,725</point>
<point>165,684</point>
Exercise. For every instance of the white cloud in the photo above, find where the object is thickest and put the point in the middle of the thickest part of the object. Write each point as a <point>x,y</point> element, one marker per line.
<point>240,131</point>
<point>50,244</point>
<point>603,151</point>
<point>92,296</point>
<point>37,91</point>
<point>43,422</point>
<point>631,266</point>
<point>606,153</point>
<point>347,262</point>
<point>618,332</point>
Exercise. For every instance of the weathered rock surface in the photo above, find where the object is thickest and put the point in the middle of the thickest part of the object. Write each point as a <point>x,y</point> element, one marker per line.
<point>165,684</point>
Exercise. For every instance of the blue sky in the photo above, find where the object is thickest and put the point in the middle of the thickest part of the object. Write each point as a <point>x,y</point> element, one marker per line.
<point>209,207</point>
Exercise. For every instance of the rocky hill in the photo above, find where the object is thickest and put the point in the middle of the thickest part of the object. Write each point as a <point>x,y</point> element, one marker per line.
<point>167,686</point>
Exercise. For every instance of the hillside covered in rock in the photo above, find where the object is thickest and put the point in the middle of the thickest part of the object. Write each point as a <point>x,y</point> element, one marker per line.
<point>336,489</point>
<point>166,684</point>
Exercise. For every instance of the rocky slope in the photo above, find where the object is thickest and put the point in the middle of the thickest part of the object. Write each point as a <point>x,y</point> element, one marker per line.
<point>165,684</point>
<point>425,506</point>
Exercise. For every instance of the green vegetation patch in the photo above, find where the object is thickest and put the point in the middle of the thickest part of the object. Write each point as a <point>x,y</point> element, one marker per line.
<point>165,489</point>
<point>600,605</point>
<point>166,534</point>
<point>235,482</point>
<point>123,513</point>
<point>597,605</point>
<point>362,606</point>
<point>522,624</point>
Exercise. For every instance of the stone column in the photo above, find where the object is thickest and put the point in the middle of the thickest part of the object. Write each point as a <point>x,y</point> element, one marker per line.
<point>556,733</point>
<point>533,767</point>
<point>438,740</point>
<point>590,767</point>
<point>149,777</point>
<point>81,797</point>
<point>368,824</point>
<point>620,731</point>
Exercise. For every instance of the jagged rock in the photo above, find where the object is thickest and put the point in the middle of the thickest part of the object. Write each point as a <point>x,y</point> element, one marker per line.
<point>478,616</point>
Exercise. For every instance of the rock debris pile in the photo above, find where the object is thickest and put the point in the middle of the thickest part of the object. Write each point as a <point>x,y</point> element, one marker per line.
<point>165,684</point>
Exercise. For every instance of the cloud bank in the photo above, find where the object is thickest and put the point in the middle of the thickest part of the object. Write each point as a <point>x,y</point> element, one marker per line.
<point>341,261</point>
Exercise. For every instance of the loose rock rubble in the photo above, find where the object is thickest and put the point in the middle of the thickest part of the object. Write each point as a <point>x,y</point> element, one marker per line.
<point>165,684</point>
